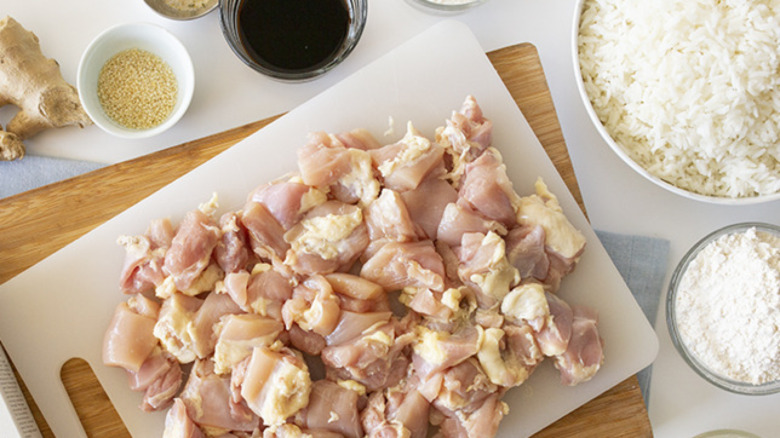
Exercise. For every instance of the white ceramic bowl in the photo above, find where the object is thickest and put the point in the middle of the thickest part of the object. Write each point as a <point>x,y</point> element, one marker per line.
<point>621,151</point>
<point>151,38</point>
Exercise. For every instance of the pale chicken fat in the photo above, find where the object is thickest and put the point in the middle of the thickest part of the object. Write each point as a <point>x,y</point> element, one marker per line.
<point>491,358</point>
<point>324,235</point>
<point>174,329</point>
<point>238,335</point>
<point>360,181</point>
<point>526,302</point>
<point>543,209</point>
<point>276,386</point>
<point>496,276</point>
<point>415,146</point>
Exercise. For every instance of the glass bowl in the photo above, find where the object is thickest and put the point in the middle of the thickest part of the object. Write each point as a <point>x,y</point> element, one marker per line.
<point>184,11</point>
<point>446,6</point>
<point>230,10</point>
<point>727,433</point>
<point>672,316</point>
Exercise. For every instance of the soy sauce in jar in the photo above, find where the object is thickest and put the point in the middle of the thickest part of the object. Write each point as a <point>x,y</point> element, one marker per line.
<point>293,35</point>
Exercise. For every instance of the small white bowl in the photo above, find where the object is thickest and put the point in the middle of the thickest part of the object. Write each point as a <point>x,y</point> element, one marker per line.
<point>148,37</point>
<point>620,150</point>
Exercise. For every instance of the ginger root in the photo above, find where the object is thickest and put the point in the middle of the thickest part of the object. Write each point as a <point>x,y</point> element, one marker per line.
<point>35,84</point>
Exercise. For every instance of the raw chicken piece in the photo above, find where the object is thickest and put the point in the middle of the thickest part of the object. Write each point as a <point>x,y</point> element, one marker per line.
<point>144,257</point>
<point>484,267</point>
<point>354,286</point>
<point>232,252</point>
<point>584,355</point>
<point>427,202</point>
<point>237,335</point>
<point>308,342</point>
<point>287,201</point>
<point>322,160</point>
<point>359,139</point>
<point>388,219</point>
<point>399,411</point>
<point>544,210</point>
<point>266,234</point>
<point>352,324</point>
<point>264,291</point>
<point>289,430</point>
<point>463,388</point>
<point>333,408</point>
<point>329,238</point>
<point>174,327</point>
<point>458,220</point>
<point>487,189</point>
<point>403,165</point>
<point>466,135</point>
<point>160,378</point>
<point>435,351</point>
<point>274,384</point>
<point>142,270</point>
<point>129,338</point>
<point>313,307</point>
<point>482,422</point>
<point>525,251</point>
<point>508,355</point>
<point>207,397</point>
<point>374,359</point>
<point>526,304</point>
<point>160,233</point>
<point>359,185</point>
<point>326,163</point>
<point>178,423</point>
<point>522,351</point>
<point>398,264</point>
<point>214,307</point>
<point>467,404</point>
<point>553,338</point>
<point>190,251</point>
<point>440,306</point>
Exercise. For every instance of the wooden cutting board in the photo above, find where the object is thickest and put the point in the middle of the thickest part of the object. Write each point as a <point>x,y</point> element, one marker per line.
<point>37,223</point>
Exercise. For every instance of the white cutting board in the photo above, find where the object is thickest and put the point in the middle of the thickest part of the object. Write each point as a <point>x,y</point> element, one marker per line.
<point>59,308</point>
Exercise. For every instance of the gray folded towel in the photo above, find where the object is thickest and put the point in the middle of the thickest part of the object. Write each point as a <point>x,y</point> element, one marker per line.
<point>641,262</point>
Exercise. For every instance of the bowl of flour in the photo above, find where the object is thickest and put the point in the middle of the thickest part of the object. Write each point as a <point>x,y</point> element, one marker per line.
<point>723,308</point>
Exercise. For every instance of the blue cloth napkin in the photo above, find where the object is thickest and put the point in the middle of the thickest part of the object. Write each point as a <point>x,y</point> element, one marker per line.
<point>641,262</point>
<point>35,171</point>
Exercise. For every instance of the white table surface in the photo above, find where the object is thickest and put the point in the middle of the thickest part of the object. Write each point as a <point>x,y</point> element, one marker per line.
<point>229,94</point>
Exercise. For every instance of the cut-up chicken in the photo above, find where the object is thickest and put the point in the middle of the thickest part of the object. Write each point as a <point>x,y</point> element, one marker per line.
<point>383,290</point>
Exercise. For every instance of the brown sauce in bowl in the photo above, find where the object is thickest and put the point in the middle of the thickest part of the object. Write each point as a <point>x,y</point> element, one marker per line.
<point>293,35</point>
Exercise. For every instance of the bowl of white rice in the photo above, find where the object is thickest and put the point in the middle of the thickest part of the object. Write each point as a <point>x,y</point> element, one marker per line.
<point>686,93</point>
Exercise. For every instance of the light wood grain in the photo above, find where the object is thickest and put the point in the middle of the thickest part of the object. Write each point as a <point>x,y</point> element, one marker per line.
<point>37,223</point>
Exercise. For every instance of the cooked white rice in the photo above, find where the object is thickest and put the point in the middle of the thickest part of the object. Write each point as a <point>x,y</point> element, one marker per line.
<point>689,88</point>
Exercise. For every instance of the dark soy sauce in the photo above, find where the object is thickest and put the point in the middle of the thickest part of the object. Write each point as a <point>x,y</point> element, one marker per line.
<point>293,35</point>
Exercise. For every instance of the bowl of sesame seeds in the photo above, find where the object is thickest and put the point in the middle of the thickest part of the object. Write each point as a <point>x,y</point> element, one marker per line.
<point>135,80</point>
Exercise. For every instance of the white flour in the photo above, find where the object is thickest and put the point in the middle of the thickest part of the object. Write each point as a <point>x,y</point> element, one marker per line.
<point>728,306</point>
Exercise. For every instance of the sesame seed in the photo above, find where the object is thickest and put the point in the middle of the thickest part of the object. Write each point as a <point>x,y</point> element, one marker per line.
<point>137,89</point>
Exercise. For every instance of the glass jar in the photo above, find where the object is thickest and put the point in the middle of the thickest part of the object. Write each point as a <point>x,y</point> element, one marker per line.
<point>315,40</point>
